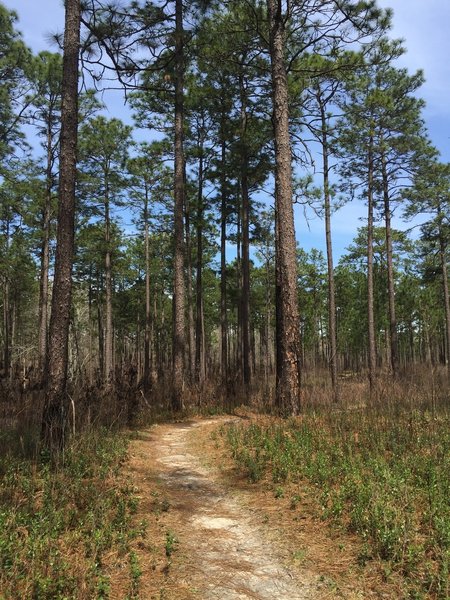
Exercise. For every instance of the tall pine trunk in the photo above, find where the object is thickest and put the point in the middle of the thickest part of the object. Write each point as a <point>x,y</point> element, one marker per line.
<point>332,335</point>
<point>54,414</point>
<point>223,263</point>
<point>288,325</point>
<point>393,337</point>
<point>443,261</point>
<point>239,286</point>
<point>178,337</point>
<point>101,337</point>
<point>371,350</point>
<point>199,322</point>
<point>45,256</point>
<point>6,329</point>
<point>189,299</point>
<point>109,352</point>
<point>146,374</point>
<point>245,291</point>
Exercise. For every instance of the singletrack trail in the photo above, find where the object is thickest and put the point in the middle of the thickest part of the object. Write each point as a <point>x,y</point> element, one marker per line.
<point>221,550</point>
<point>204,532</point>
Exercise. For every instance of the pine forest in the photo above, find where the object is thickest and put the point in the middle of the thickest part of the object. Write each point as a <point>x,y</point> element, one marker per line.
<point>169,341</point>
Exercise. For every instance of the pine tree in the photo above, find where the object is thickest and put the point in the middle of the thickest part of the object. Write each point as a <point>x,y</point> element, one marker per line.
<point>54,415</point>
<point>288,341</point>
<point>430,195</point>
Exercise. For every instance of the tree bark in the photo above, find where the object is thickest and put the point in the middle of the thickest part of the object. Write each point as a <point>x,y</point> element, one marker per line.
<point>199,323</point>
<point>6,329</point>
<point>146,375</point>
<point>288,335</point>
<point>245,292</point>
<point>239,286</point>
<point>189,300</point>
<point>101,337</point>
<point>445,286</point>
<point>370,290</point>
<point>267,349</point>
<point>332,335</point>
<point>178,338</point>
<point>109,356</point>
<point>54,414</point>
<point>223,264</point>
<point>45,255</point>
<point>390,272</point>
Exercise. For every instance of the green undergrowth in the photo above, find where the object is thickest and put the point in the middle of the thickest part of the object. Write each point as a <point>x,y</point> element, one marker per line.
<point>63,528</point>
<point>383,476</point>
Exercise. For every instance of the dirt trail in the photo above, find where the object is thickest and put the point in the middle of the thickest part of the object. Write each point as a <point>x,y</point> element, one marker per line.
<point>225,552</point>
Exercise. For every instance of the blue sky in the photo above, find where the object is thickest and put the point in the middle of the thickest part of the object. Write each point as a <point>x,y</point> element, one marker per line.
<point>423,24</point>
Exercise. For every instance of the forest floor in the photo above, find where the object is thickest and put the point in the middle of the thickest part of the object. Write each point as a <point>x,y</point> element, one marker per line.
<point>211,534</point>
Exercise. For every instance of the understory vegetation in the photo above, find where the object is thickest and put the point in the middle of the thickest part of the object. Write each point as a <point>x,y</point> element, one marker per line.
<point>64,528</point>
<point>380,471</point>
<point>74,530</point>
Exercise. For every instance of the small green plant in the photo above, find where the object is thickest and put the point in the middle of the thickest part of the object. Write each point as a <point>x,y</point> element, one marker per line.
<point>171,543</point>
<point>135,575</point>
<point>279,492</point>
<point>103,587</point>
<point>294,501</point>
<point>299,555</point>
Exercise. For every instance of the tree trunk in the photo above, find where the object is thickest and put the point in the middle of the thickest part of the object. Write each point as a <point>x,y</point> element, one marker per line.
<point>288,335</point>
<point>223,265</point>
<point>54,414</point>
<point>371,350</point>
<point>390,272</point>
<point>146,375</point>
<point>443,260</point>
<point>267,349</point>
<point>189,299</point>
<point>199,325</point>
<point>178,338</point>
<point>332,336</point>
<point>239,286</point>
<point>109,356</point>
<point>101,337</point>
<point>6,329</point>
<point>45,256</point>
<point>90,323</point>
<point>245,291</point>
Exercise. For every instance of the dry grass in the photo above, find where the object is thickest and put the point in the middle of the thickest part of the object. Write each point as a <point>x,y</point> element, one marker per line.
<point>379,469</point>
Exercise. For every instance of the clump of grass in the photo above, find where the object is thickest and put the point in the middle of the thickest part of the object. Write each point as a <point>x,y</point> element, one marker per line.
<point>382,474</point>
<point>59,526</point>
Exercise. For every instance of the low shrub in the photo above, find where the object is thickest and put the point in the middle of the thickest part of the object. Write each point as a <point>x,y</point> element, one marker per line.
<point>61,526</point>
<point>381,474</point>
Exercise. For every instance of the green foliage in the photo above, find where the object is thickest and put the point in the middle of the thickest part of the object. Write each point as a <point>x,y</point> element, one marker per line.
<point>135,572</point>
<point>171,544</point>
<point>58,525</point>
<point>385,476</point>
<point>14,66</point>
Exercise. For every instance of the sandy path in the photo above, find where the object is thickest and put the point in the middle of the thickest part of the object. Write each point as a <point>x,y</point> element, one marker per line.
<point>229,555</point>
<point>229,539</point>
